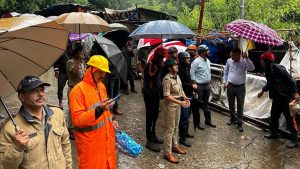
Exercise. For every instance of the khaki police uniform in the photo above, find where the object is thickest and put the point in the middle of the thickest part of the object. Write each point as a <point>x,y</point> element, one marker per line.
<point>172,86</point>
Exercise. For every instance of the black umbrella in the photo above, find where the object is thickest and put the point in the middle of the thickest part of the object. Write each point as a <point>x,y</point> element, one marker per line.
<point>118,36</point>
<point>114,55</point>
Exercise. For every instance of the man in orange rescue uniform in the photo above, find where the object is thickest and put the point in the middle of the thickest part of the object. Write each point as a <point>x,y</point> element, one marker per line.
<point>93,126</point>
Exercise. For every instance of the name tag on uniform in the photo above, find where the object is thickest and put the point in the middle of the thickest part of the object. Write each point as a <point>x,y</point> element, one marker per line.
<point>31,135</point>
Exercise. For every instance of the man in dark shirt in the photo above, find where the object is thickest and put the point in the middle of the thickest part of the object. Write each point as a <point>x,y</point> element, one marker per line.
<point>282,88</point>
<point>128,54</point>
<point>184,74</point>
<point>61,75</point>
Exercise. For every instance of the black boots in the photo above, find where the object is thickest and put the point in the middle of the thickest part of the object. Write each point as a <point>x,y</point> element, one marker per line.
<point>293,142</point>
<point>152,146</point>
<point>182,137</point>
<point>152,141</point>
<point>157,140</point>
<point>271,135</point>
<point>184,142</point>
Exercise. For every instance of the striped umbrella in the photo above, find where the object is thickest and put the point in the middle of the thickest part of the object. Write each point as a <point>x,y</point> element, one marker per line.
<point>177,44</point>
<point>257,32</point>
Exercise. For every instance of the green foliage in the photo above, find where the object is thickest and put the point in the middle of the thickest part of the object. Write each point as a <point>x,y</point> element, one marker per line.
<point>277,14</point>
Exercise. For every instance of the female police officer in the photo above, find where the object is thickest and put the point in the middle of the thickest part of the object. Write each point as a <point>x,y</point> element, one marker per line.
<point>174,98</point>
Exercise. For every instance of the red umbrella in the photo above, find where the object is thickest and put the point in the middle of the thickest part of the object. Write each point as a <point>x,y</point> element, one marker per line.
<point>257,32</point>
<point>148,42</point>
<point>179,45</point>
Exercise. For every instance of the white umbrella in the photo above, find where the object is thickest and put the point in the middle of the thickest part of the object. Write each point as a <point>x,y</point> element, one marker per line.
<point>29,45</point>
<point>79,22</point>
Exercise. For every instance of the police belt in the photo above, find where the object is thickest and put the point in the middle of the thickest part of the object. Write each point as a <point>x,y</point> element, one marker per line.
<point>91,128</point>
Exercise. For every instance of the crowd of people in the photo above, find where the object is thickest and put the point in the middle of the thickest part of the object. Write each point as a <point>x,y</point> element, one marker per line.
<point>182,82</point>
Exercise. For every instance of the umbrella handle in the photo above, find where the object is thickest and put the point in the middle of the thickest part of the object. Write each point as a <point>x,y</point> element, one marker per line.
<point>10,116</point>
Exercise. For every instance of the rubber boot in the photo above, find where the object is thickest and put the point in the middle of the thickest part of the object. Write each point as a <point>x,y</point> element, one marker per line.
<point>182,138</point>
<point>293,142</point>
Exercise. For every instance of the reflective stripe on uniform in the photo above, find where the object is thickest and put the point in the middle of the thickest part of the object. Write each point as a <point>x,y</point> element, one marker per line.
<point>91,128</point>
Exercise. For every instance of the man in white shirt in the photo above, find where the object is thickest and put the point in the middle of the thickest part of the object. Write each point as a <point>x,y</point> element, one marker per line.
<point>234,80</point>
<point>201,77</point>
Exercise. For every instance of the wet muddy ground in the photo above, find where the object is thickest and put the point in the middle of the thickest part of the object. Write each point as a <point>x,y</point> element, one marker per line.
<point>221,147</point>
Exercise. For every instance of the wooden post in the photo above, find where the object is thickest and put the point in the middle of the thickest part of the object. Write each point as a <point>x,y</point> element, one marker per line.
<point>202,3</point>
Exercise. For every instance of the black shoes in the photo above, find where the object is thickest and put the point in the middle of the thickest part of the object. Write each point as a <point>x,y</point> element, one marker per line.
<point>200,127</point>
<point>189,135</point>
<point>240,129</point>
<point>157,140</point>
<point>210,124</point>
<point>294,141</point>
<point>230,122</point>
<point>292,144</point>
<point>126,92</point>
<point>185,142</point>
<point>152,146</point>
<point>239,124</point>
<point>271,135</point>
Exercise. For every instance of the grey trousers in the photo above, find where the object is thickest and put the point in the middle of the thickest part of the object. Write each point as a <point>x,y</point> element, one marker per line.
<point>203,91</point>
<point>238,93</point>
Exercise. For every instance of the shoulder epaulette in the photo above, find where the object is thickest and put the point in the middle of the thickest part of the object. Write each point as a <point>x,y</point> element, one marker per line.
<point>51,105</point>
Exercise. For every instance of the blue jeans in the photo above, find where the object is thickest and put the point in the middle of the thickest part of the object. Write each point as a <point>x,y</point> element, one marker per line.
<point>184,116</point>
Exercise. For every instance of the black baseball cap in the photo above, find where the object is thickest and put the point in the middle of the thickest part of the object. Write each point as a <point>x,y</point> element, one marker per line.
<point>30,82</point>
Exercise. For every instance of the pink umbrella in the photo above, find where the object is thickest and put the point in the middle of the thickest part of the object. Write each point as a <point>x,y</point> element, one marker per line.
<point>179,45</point>
<point>148,42</point>
<point>257,32</point>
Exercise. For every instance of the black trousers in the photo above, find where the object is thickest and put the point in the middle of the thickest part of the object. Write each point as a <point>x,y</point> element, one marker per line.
<point>203,92</point>
<point>61,83</point>
<point>113,90</point>
<point>281,105</point>
<point>151,100</point>
<point>130,78</point>
<point>195,111</point>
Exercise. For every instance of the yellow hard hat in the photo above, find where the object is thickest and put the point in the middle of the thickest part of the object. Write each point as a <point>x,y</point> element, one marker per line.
<point>99,62</point>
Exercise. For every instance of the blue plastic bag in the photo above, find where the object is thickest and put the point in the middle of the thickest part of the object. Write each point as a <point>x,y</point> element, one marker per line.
<point>127,145</point>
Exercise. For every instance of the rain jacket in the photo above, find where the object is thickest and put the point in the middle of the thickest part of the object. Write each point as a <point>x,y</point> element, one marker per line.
<point>94,137</point>
<point>49,146</point>
<point>279,82</point>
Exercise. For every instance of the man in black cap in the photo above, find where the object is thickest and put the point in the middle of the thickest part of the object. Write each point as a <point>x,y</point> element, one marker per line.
<point>185,77</point>
<point>41,138</point>
<point>201,76</point>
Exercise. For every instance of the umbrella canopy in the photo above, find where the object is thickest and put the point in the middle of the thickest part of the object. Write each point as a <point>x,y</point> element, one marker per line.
<point>119,37</point>
<point>164,29</point>
<point>28,46</point>
<point>79,22</point>
<point>148,42</point>
<point>257,32</point>
<point>118,26</point>
<point>115,56</point>
<point>177,44</point>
